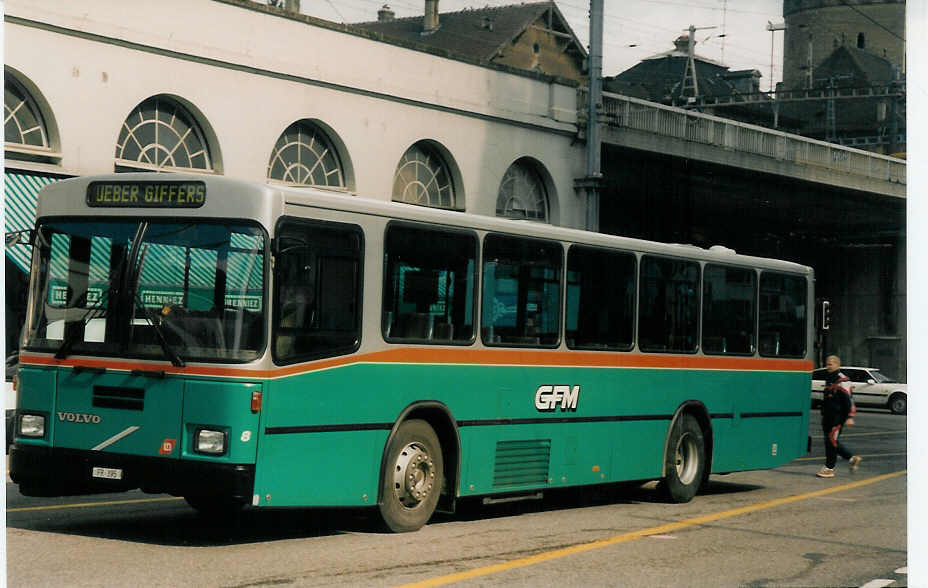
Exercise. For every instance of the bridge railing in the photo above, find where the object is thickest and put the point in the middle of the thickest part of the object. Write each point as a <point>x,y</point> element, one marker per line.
<point>641,115</point>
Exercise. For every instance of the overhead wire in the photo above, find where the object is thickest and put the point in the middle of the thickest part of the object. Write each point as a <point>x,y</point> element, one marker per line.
<point>643,40</point>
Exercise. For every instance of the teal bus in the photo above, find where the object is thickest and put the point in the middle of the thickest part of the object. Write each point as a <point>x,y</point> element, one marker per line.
<point>242,344</point>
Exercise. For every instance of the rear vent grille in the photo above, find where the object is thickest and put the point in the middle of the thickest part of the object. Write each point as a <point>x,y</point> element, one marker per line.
<point>521,462</point>
<point>123,398</point>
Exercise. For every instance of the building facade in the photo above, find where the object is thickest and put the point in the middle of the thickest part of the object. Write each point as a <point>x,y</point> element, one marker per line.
<point>262,94</point>
<point>815,28</point>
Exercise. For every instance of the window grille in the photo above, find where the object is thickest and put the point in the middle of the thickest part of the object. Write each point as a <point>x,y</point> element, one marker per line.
<point>162,135</point>
<point>522,193</point>
<point>304,156</point>
<point>422,177</point>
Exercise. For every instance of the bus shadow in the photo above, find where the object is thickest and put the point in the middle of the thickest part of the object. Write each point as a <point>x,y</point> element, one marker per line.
<point>175,524</point>
<point>182,526</point>
<point>628,493</point>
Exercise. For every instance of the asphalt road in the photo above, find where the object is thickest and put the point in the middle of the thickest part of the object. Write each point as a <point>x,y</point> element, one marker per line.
<point>782,527</point>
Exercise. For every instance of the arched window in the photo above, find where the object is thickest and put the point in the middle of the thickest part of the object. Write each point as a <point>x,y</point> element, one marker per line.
<point>161,134</point>
<point>22,122</point>
<point>423,177</point>
<point>304,156</point>
<point>29,131</point>
<point>522,193</point>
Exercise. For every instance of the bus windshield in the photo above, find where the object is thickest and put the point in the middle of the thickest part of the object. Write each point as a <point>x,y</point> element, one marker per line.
<point>148,289</point>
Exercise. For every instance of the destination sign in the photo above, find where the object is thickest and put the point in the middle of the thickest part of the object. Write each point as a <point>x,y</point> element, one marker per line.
<point>123,194</point>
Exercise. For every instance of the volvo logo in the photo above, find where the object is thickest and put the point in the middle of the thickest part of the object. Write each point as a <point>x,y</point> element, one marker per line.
<point>79,417</point>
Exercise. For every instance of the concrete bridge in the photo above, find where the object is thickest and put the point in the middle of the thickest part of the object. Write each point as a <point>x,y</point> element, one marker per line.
<point>647,126</point>
<point>682,176</point>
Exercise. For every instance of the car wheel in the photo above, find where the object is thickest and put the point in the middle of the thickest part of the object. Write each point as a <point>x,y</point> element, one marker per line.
<point>898,403</point>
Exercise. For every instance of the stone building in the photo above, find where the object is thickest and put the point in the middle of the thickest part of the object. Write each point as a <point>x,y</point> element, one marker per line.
<point>844,72</point>
<point>265,94</point>
<point>668,78</point>
<point>815,28</point>
<point>533,36</point>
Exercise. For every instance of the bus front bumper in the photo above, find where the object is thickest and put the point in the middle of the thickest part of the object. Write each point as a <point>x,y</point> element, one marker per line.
<point>46,471</point>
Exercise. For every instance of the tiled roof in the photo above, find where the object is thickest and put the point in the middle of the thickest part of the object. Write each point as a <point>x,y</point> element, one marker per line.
<point>864,66</point>
<point>660,78</point>
<point>477,33</point>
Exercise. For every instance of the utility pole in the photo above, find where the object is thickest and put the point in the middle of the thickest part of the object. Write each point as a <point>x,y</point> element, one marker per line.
<point>773,28</point>
<point>894,112</point>
<point>591,183</point>
<point>831,117</point>
<point>831,130</point>
<point>809,65</point>
<point>690,82</point>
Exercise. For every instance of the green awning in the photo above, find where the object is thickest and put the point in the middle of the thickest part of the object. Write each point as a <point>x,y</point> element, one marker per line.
<point>19,203</point>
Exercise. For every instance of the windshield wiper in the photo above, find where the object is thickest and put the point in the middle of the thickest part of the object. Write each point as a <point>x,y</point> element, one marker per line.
<point>176,359</point>
<point>71,335</point>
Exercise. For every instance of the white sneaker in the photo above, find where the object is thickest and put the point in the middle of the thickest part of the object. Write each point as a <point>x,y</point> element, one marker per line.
<point>826,473</point>
<point>854,462</point>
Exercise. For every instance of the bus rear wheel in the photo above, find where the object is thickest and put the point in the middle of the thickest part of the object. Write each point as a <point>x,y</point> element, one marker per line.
<point>412,478</point>
<point>684,462</point>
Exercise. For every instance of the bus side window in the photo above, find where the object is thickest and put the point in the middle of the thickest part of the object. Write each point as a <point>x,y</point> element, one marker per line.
<point>728,310</point>
<point>782,315</point>
<point>521,291</point>
<point>668,305</point>
<point>429,285</point>
<point>600,299</point>
<point>317,294</point>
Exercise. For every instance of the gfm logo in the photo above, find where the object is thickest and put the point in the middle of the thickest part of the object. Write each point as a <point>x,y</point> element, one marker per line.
<point>548,398</point>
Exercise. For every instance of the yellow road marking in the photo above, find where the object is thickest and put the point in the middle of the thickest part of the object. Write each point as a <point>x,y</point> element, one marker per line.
<point>661,529</point>
<point>845,434</point>
<point>91,504</point>
<point>821,457</point>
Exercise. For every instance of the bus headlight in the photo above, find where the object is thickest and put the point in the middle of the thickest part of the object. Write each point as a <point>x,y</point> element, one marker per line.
<point>31,425</point>
<point>210,442</point>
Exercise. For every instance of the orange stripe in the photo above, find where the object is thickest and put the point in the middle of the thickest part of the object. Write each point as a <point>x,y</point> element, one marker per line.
<point>441,355</point>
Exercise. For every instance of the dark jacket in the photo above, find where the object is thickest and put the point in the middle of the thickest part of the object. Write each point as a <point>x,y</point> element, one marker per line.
<point>837,403</point>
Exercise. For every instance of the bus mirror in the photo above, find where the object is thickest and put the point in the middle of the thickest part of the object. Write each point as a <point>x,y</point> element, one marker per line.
<point>826,315</point>
<point>24,237</point>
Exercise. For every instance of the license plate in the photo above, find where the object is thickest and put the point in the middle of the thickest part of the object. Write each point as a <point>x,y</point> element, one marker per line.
<point>108,473</point>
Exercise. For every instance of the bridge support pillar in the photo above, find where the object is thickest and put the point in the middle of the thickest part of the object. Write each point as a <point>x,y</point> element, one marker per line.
<point>588,190</point>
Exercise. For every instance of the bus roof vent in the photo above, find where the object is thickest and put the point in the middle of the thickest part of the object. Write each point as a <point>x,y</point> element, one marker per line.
<point>722,249</point>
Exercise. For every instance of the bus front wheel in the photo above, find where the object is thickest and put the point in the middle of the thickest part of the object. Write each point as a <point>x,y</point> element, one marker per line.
<point>684,462</point>
<point>412,478</point>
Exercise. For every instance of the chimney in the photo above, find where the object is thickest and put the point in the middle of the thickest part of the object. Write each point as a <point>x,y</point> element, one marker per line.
<point>292,6</point>
<point>682,43</point>
<point>430,21</point>
<point>385,14</point>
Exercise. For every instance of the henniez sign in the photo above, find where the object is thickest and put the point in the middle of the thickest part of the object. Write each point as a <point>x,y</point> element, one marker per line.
<point>165,194</point>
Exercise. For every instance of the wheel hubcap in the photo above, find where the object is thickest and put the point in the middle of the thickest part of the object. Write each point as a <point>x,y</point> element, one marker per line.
<point>413,475</point>
<point>686,459</point>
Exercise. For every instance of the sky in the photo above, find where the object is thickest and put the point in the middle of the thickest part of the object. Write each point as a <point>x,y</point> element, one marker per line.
<point>632,30</point>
